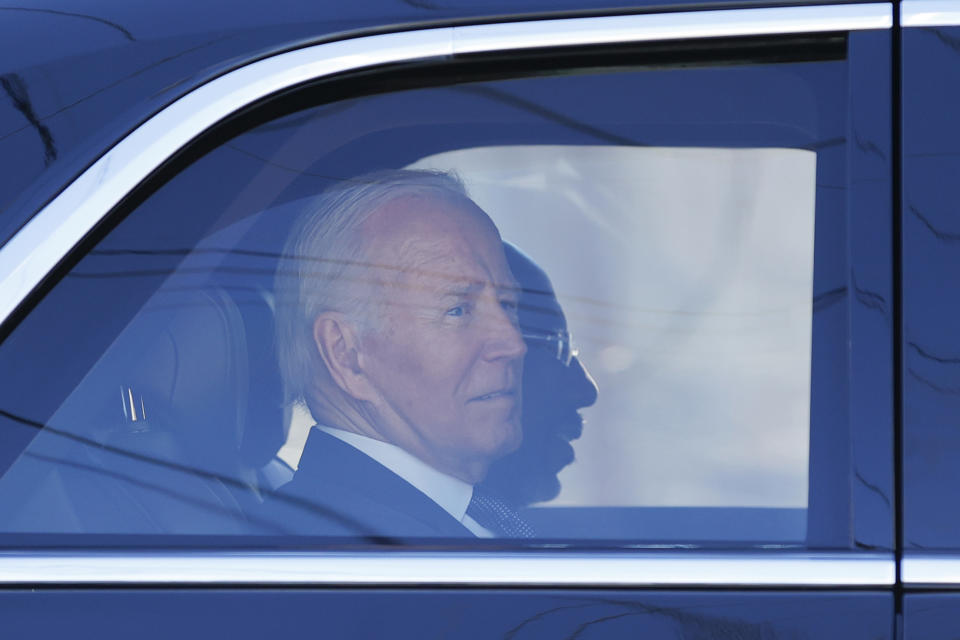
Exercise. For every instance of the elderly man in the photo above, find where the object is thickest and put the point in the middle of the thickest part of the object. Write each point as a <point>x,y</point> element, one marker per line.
<point>397,326</point>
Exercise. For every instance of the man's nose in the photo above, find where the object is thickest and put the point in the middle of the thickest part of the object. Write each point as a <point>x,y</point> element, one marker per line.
<point>583,388</point>
<point>504,340</point>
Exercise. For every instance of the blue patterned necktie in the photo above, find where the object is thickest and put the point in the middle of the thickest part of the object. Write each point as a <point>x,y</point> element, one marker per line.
<point>497,516</point>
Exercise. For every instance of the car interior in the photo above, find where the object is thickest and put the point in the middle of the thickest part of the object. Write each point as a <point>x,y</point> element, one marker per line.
<point>171,419</point>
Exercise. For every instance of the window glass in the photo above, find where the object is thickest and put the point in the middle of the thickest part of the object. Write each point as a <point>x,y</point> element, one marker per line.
<point>693,314</point>
<point>552,307</point>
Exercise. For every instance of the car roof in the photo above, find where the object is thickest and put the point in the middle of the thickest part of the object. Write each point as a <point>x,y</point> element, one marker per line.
<point>77,75</point>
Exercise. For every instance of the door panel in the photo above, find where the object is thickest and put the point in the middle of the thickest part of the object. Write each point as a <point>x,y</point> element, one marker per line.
<point>422,614</point>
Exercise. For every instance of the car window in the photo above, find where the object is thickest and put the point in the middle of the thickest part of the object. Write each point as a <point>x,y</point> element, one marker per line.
<point>648,317</point>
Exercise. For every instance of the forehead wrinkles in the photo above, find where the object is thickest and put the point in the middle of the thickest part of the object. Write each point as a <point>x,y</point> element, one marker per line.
<point>458,265</point>
<point>437,244</point>
<point>437,264</point>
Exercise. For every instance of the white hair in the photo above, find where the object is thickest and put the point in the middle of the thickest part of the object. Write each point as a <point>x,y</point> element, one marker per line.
<point>325,267</point>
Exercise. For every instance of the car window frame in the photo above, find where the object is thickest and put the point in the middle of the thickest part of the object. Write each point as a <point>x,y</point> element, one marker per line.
<point>62,225</point>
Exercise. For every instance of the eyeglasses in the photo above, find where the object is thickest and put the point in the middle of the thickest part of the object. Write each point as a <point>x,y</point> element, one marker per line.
<point>559,343</point>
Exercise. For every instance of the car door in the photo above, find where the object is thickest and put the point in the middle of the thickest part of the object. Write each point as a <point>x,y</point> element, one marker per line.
<point>707,191</point>
<point>929,159</point>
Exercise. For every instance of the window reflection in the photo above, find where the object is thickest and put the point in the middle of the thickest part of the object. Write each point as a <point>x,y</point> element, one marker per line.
<point>686,275</point>
<point>643,338</point>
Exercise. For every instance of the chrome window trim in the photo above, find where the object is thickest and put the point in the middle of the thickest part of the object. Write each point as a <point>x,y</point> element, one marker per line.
<point>939,570</point>
<point>554,568</point>
<point>930,13</point>
<point>672,26</point>
<point>37,248</point>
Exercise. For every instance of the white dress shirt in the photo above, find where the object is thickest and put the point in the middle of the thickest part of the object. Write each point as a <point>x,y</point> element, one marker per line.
<point>452,494</point>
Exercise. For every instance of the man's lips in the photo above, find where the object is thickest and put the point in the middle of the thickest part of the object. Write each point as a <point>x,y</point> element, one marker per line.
<point>569,427</point>
<point>495,395</point>
<point>561,454</point>
<point>575,429</point>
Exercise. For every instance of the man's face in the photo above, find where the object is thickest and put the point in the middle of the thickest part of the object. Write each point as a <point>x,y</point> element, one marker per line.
<point>554,394</point>
<point>446,358</point>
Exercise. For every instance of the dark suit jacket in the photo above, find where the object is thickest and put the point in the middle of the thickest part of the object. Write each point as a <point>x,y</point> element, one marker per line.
<point>340,491</point>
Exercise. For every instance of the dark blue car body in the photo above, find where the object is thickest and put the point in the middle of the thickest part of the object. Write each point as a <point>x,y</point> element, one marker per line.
<point>78,77</point>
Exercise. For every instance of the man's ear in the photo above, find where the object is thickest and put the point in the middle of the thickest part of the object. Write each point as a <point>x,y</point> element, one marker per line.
<point>338,341</point>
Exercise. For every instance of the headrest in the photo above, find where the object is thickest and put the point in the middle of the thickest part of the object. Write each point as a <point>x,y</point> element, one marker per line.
<point>194,364</point>
<point>191,372</point>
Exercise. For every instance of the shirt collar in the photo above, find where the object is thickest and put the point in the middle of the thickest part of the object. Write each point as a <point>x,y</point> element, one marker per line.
<point>452,494</point>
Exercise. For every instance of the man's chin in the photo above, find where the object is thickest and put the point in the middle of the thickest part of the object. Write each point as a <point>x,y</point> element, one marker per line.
<point>545,490</point>
<point>494,449</point>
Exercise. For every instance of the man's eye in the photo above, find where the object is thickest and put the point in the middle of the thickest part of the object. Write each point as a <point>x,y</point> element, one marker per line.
<point>457,311</point>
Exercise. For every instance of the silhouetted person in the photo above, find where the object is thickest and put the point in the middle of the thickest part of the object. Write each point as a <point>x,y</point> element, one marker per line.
<point>555,387</point>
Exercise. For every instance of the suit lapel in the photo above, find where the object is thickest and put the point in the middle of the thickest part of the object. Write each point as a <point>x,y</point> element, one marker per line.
<point>369,491</point>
